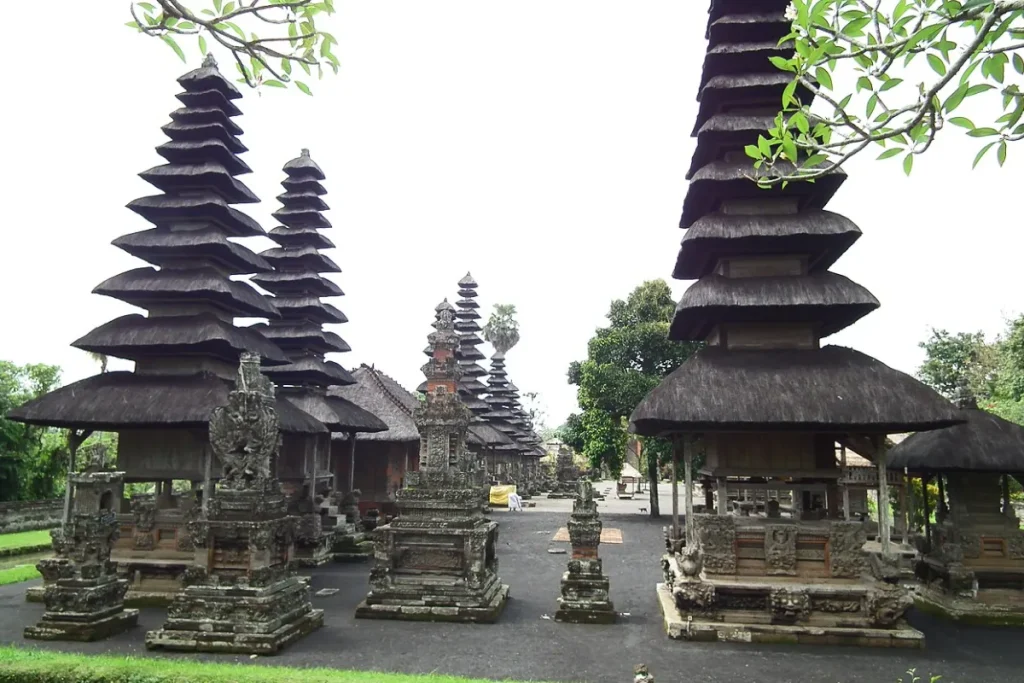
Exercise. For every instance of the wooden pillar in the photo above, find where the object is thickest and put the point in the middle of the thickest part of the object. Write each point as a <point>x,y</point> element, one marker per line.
<point>207,480</point>
<point>723,496</point>
<point>942,495</point>
<point>709,496</point>
<point>688,473</point>
<point>351,462</point>
<point>846,488</point>
<point>312,473</point>
<point>927,511</point>
<point>904,510</point>
<point>677,445</point>
<point>884,533</point>
<point>1006,494</point>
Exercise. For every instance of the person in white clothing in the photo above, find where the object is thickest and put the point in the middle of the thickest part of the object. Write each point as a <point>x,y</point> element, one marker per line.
<point>515,503</point>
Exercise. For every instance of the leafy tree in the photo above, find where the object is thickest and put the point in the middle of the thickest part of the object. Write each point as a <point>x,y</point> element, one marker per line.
<point>502,328</point>
<point>294,42</point>
<point>32,459</point>
<point>625,360</point>
<point>535,409</point>
<point>914,64</point>
<point>960,366</point>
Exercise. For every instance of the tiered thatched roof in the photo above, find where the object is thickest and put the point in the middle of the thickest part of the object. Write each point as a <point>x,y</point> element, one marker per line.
<point>985,443</point>
<point>500,402</point>
<point>186,349</point>
<point>471,389</point>
<point>377,393</point>
<point>297,285</point>
<point>764,297</point>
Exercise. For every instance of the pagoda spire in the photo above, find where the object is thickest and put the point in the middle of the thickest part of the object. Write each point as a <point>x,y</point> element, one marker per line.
<point>471,388</point>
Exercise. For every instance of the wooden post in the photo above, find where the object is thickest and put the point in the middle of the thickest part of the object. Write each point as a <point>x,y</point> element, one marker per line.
<point>884,532</point>
<point>904,509</point>
<point>677,445</point>
<point>352,463</point>
<point>846,487</point>
<point>312,477</point>
<point>688,473</point>
<point>942,496</point>
<point>1006,494</point>
<point>927,511</point>
<point>723,496</point>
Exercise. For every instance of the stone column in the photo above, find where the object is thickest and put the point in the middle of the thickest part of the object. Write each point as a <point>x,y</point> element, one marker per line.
<point>688,472</point>
<point>884,532</point>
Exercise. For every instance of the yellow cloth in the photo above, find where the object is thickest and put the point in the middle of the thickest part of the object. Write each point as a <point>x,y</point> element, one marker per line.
<point>499,495</point>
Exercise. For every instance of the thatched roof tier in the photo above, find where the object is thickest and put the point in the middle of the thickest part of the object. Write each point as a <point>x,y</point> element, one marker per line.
<point>170,247</point>
<point>721,8</point>
<point>309,199</point>
<point>740,28</point>
<point>337,413</point>
<point>309,336</point>
<point>301,217</point>
<point>467,282</point>
<point>203,114</point>
<point>135,337</point>
<point>295,283</point>
<point>209,77</point>
<point>205,176</point>
<point>303,167</point>
<point>985,443</point>
<point>722,93</point>
<point>179,131</point>
<point>832,301</point>
<point>467,303</point>
<point>300,258</point>
<point>829,390</point>
<point>301,184</point>
<point>198,209</point>
<point>486,435</point>
<point>822,236</point>
<point>145,287</point>
<point>197,151</point>
<point>723,180</point>
<point>471,390</point>
<point>309,370</point>
<point>209,98</point>
<point>310,308</point>
<point>300,237</point>
<point>726,132</point>
<point>734,58</point>
<point>123,400</point>
<point>382,396</point>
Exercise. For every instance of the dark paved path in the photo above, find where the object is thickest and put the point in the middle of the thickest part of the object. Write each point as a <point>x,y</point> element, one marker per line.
<point>525,646</point>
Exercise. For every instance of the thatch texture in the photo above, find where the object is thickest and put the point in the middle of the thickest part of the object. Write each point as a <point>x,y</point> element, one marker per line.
<point>985,443</point>
<point>833,389</point>
<point>385,398</point>
<point>312,237</point>
<point>163,247</point>
<point>204,175</point>
<point>206,114</point>
<point>304,257</point>
<point>311,307</point>
<point>721,8</point>
<point>209,77</point>
<point>338,414</point>
<point>720,92</point>
<point>142,286</point>
<point>294,283</point>
<point>186,151</point>
<point>189,132</point>
<point>310,336</point>
<point>485,435</point>
<point>833,301</point>
<point>196,207</point>
<point>727,132</point>
<point>738,28</point>
<point>119,400</point>
<point>822,235</point>
<point>744,57</point>
<point>722,179</point>
<point>310,370</point>
<point>135,336</point>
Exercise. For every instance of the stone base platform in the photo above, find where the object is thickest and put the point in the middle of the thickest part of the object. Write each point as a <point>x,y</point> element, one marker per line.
<point>990,608</point>
<point>236,643</point>
<point>480,615</point>
<point>355,547</point>
<point>678,628</point>
<point>83,631</point>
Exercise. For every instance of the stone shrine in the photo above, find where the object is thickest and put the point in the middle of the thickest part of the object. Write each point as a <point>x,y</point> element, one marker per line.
<point>239,594</point>
<point>584,598</point>
<point>84,597</point>
<point>566,474</point>
<point>437,560</point>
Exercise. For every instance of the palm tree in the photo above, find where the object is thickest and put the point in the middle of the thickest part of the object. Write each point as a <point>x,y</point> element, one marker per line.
<point>502,329</point>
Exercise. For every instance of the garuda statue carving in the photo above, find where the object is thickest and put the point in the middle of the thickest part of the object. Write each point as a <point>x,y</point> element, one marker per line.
<point>244,433</point>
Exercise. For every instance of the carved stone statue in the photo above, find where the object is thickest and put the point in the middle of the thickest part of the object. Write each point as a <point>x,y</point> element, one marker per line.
<point>244,433</point>
<point>585,588</point>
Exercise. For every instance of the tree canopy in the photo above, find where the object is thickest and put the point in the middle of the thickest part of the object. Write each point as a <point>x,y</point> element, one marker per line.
<point>894,73</point>
<point>502,328</point>
<point>32,459</point>
<point>291,39</point>
<point>625,360</point>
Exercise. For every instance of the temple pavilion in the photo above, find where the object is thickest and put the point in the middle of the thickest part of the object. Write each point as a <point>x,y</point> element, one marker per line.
<point>299,287</point>
<point>765,400</point>
<point>186,347</point>
<point>972,560</point>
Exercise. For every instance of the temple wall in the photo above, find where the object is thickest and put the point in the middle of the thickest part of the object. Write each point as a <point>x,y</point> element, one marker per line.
<point>380,467</point>
<point>30,515</point>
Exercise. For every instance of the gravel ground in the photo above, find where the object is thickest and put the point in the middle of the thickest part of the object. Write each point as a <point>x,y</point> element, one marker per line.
<point>526,646</point>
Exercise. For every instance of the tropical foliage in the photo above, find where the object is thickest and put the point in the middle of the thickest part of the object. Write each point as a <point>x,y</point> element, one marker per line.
<point>502,328</point>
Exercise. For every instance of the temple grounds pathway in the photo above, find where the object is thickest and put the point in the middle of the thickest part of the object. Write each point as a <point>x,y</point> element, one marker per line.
<point>525,645</point>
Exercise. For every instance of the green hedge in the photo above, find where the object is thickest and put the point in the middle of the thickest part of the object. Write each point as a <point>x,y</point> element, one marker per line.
<point>40,666</point>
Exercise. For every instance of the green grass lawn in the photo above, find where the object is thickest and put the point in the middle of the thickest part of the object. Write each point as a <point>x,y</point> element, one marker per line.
<point>23,572</point>
<point>25,539</point>
<point>39,666</point>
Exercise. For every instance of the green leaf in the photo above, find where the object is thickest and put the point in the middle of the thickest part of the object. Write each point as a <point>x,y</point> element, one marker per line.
<point>890,84</point>
<point>202,45</point>
<point>132,24</point>
<point>908,163</point>
<point>752,151</point>
<point>782,63</point>
<point>1001,153</point>
<point>174,46</point>
<point>890,153</point>
<point>217,4</point>
<point>863,83</point>
<point>274,83</point>
<point>789,149</point>
<point>984,150</point>
<point>148,6</point>
<point>1018,64</point>
<point>303,87</point>
<point>954,100</point>
<point>983,132</point>
<point>787,94</point>
<point>824,79</point>
<point>872,103</point>
<point>937,65</point>
<point>764,146</point>
<point>962,122</point>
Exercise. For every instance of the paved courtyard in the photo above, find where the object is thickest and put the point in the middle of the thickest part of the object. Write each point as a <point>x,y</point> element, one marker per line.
<point>525,645</point>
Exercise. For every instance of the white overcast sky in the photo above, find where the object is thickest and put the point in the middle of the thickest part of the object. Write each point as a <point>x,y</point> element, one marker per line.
<point>540,144</point>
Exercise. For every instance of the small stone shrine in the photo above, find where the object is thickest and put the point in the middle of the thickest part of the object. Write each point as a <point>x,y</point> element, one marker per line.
<point>566,474</point>
<point>84,597</point>
<point>437,560</point>
<point>584,597</point>
<point>240,596</point>
<point>972,560</point>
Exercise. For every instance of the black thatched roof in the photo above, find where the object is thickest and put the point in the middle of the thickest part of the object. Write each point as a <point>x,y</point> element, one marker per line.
<point>306,335</point>
<point>385,398</point>
<point>833,301</point>
<point>833,389</point>
<point>209,77</point>
<point>723,92</point>
<point>471,390</point>
<point>721,180</point>
<point>197,151</point>
<point>168,247</point>
<point>304,167</point>
<point>206,175</point>
<point>743,57</point>
<point>482,434</point>
<point>209,98</point>
<point>738,28</point>
<point>310,370</point>
<point>298,237</point>
<point>338,414</point>
<point>144,286</point>
<point>822,235</point>
<point>311,307</point>
<point>725,132</point>
<point>294,283</point>
<point>121,400</point>
<point>721,8</point>
<point>985,443</point>
<point>206,114</point>
<point>135,336</point>
<point>196,207</point>
<point>304,257</point>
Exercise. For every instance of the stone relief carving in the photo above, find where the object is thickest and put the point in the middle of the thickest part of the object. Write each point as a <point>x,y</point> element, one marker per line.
<point>887,604</point>
<point>789,605</point>
<point>716,536</point>
<point>780,549</point>
<point>846,549</point>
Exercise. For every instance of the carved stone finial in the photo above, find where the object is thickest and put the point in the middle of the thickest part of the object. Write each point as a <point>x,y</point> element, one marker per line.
<point>209,61</point>
<point>305,152</point>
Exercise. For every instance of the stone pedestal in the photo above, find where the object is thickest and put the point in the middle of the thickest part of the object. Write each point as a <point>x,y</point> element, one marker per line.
<point>566,475</point>
<point>83,595</point>
<point>584,598</point>
<point>312,541</point>
<point>349,542</point>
